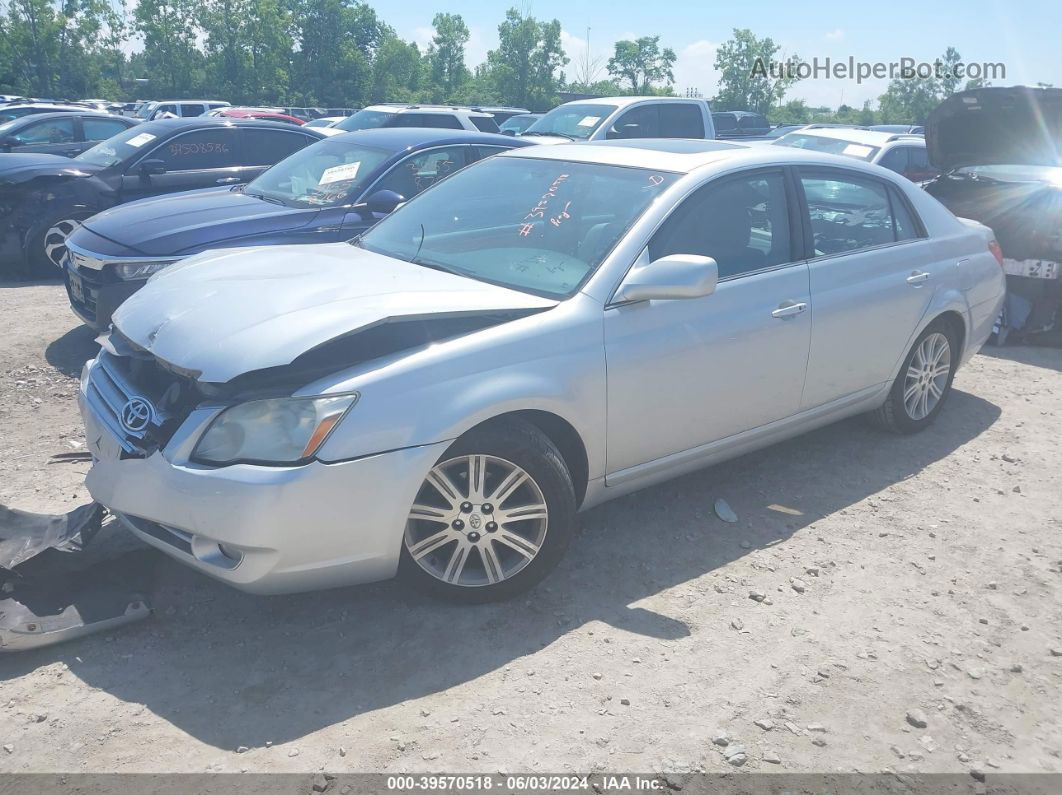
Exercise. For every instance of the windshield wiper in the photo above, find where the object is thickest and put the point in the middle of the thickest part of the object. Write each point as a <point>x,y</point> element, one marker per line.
<point>264,198</point>
<point>436,266</point>
<point>540,132</point>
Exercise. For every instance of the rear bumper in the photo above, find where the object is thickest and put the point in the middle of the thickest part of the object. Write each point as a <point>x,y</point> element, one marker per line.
<point>267,529</point>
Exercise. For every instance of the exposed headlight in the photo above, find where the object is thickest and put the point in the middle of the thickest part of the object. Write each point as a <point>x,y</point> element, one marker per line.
<point>275,431</point>
<point>139,270</point>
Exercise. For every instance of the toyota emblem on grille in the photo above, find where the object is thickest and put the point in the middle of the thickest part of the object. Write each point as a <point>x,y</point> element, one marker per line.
<point>137,414</point>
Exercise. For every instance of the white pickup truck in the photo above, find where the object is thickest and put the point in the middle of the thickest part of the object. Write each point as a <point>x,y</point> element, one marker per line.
<point>608,118</point>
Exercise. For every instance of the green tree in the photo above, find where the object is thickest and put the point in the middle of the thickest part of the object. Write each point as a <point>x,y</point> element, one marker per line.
<point>398,71</point>
<point>642,63</point>
<point>746,81</point>
<point>336,43</point>
<point>172,62</point>
<point>524,68</point>
<point>908,100</point>
<point>446,56</point>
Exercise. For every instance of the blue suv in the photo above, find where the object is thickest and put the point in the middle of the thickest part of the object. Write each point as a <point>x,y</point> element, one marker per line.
<point>330,191</point>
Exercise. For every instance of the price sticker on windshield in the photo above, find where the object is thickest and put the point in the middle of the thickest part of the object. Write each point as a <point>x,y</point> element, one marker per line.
<point>857,150</point>
<point>140,140</point>
<point>588,121</point>
<point>343,173</point>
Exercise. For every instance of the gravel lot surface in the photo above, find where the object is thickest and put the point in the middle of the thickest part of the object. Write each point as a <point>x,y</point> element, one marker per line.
<point>883,603</point>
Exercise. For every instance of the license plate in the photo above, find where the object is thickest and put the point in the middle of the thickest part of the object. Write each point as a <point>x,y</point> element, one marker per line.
<point>77,287</point>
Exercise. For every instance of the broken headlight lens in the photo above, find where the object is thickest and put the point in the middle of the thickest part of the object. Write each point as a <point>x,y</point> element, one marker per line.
<point>139,270</point>
<point>275,431</point>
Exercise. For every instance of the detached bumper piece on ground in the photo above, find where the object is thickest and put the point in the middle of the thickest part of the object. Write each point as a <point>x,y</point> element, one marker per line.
<point>49,593</point>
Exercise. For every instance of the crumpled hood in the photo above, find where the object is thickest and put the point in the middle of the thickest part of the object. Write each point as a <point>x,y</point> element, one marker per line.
<point>20,166</point>
<point>179,223</point>
<point>997,126</point>
<point>224,313</point>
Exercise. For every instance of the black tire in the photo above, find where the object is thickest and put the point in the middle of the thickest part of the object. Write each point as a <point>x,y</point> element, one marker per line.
<point>893,414</point>
<point>528,448</point>
<point>38,243</point>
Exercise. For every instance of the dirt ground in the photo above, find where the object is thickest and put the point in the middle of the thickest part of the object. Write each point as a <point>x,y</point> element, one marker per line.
<point>901,581</point>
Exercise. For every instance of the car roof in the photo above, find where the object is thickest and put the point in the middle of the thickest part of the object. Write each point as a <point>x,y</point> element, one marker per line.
<point>70,106</point>
<point>399,139</point>
<point>621,102</point>
<point>866,137</point>
<point>64,114</point>
<point>400,108</point>
<point>193,101</point>
<point>224,121</point>
<point>682,156</point>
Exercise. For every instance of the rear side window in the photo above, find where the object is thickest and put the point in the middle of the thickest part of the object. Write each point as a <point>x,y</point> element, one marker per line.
<point>724,122</point>
<point>260,147</point>
<point>101,129</point>
<point>681,120</point>
<point>192,110</point>
<point>907,228</point>
<point>741,222</point>
<point>484,124</point>
<point>200,149</point>
<point>752,123</point>
<point>847,213</point>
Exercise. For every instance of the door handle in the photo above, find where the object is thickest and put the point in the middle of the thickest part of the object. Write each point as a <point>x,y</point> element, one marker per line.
<point>917,277</point>
<point>789,309</point>
<point>227,181</point>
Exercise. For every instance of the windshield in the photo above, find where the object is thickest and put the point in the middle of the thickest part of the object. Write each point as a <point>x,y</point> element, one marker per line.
<point>117,148</point>
<point>577,121</point>
<point>144,110</point>
<point>541,226</point>
<point>833,146</point>
<point>366,120</point>
<point>326,174</point>
<point>518,123</point>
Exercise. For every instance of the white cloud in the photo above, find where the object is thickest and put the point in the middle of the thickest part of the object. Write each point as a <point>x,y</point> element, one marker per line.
<point>695,68</point>
<point>835,35</point>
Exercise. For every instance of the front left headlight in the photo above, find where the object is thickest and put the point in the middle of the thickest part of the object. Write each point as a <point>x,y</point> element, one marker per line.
<point>273,431</point>
<point>127,271</point>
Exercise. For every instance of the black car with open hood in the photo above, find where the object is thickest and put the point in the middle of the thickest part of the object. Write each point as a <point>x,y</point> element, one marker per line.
<point>1000,153</point>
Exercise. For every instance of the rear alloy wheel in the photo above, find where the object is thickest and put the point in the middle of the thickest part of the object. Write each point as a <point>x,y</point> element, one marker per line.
<point>919,391</point>
<point>491,518</point>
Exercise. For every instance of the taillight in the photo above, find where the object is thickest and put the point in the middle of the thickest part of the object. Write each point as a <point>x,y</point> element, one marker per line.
<point>997,252</point>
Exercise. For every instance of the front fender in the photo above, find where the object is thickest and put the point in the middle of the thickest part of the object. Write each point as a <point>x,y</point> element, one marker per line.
<point>439,393</point>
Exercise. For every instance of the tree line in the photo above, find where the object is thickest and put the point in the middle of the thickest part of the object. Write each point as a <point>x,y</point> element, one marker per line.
<point>341,53</point>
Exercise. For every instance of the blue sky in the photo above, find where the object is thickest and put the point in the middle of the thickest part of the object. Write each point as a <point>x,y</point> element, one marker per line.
<point>1024,36</point>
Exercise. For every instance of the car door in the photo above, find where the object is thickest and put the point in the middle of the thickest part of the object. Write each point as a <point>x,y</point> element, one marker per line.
<point>872,280</point>
<point>53,136</point>
<point>682,373</point>
<point>200,158</point>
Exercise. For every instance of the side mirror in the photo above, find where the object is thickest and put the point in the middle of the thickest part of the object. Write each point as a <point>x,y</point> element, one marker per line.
<point>150,168</point>
<point>7,142</point>
<point>672,277</point>
<point>508,132</point>
<point>383,202</point>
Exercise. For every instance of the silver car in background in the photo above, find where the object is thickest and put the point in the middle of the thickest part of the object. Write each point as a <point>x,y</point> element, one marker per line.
<point>540,332</point>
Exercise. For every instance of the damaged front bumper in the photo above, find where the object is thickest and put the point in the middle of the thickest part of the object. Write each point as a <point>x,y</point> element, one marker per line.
<point>262,529</point>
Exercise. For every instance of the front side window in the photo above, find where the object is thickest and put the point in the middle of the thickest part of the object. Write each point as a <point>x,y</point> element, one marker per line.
<point>541,226</point>
<point>191,110</point>
<point>895,159</point>
<point>724,122</point>
<point>643,122</point>
<point>367,120</point>
<point>848,213</point>
<point>484,124</point>
<point>740,222</point>
<point>681,120</point>
<point>47,131</point>
<point>328,173</point>
<point>752,123</point>
<point>421,171</point>
<point>833,146</point>
<point>575,121</point>
<point>198,150</point>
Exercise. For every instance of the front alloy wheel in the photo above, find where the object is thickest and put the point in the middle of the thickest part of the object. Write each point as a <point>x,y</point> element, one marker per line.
<point>55,240</point>
<point>492,517</point>
<point>478,520</point>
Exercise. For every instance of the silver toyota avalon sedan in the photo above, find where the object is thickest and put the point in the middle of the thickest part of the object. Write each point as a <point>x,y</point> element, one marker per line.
<point>542,331</point>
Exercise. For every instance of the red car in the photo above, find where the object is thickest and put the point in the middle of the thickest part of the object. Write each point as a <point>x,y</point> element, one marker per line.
<point>257,113</point>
